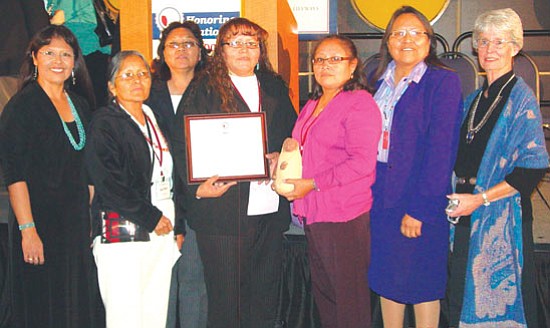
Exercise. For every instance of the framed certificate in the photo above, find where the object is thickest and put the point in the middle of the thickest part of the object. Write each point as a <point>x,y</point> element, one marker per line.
<point>232,146</point>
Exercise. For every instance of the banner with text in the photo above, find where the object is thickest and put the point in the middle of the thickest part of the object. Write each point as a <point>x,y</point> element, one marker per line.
<point>208,14</point>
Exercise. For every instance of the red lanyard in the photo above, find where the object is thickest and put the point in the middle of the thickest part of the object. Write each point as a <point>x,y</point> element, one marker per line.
<point>305,129</point>
<point>159,157</point>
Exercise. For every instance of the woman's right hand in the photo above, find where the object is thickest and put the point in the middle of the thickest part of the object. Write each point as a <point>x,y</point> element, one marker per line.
<point>468,203</point>
<point>33,250</point>
<point>211,188</point>
<point>302,187</point>
<point>164,226</point>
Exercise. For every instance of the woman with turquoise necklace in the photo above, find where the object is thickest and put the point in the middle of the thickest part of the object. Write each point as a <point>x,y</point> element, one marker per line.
<point>42,136</point>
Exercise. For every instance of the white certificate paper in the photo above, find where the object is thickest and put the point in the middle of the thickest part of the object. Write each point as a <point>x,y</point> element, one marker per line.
<point>232,146</point>
<point>262,199</point>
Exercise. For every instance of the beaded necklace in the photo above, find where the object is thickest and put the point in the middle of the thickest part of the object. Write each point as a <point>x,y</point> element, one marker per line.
<point>80,128</point>
<point>472,130</point>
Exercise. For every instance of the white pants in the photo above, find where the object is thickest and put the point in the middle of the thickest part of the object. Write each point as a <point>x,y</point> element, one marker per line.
<point>134,280</point>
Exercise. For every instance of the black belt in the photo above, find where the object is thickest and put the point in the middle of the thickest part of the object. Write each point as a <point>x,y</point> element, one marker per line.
<point>466,180</point>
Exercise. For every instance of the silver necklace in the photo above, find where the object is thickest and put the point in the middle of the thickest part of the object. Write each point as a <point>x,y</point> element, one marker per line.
<point>472,130</point>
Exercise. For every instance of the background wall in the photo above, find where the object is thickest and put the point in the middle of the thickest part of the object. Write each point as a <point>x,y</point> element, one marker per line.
<point>459,17</point>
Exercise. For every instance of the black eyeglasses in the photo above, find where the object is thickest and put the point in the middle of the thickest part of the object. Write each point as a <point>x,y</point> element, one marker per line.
<point>331,60</point>
<point>182,45</point>
<point>242,44</point>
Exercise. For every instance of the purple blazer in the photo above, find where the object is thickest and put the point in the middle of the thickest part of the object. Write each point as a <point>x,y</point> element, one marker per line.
<point>424,141</point>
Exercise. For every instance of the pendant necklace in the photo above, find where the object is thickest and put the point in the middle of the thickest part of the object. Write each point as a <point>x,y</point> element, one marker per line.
<point>80,128</point>
<point>472,130</point>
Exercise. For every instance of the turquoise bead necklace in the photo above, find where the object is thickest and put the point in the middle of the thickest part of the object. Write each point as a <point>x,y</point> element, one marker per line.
<point>80,128</point>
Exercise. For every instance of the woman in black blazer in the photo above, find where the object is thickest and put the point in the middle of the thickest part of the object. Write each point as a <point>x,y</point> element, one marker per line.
<point>241,252</point>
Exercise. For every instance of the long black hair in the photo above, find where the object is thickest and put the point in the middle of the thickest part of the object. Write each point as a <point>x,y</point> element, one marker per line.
<point>386,58</point>
<point>83,85</point>
<point>357,80</point>
<point>159,67</point>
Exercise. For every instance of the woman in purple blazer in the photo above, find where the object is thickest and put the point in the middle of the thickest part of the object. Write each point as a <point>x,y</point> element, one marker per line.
<point>420,102</point>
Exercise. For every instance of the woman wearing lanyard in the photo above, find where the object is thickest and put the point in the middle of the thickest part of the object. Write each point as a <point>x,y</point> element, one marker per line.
<point>420,101</point>
<point>131,168</point>
<point>337,131</point>
<point>240,245</point>
<point>181,56</point>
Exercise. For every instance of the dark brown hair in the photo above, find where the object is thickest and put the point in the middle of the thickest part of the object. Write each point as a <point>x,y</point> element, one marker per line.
<point>219,79</point>
<point>358,80</point>
<point>159,67</point>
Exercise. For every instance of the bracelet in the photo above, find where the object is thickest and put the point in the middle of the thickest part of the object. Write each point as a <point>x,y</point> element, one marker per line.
<point>486,201</point>
<point>26,225</point>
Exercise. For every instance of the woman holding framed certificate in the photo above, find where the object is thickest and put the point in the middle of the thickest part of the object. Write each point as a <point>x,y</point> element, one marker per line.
<point>239,226</point>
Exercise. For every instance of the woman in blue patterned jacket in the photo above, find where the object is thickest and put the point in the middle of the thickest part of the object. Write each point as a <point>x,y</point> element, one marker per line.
<point>501,158</point>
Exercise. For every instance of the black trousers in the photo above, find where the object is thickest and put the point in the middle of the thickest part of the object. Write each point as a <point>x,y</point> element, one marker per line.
<point>339,256</point>
<point>458,259</point>
<point>242,276</point>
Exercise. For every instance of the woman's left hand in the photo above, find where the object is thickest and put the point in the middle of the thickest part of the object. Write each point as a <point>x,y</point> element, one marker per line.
<point>468,203</point>
<point>302,187</point>
<point>411,227</point>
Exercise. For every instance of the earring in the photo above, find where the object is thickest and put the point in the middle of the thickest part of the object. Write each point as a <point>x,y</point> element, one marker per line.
<point>35,74</point>
<point>351,77</point>
<point>258,66</point>
<point>74,78</point>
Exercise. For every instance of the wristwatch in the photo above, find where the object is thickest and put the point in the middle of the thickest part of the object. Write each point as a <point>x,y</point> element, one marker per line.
<point>486,201</point>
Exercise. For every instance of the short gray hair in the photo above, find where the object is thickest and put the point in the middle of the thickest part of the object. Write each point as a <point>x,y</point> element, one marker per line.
<point>503,20</point>
<point>118,59</point>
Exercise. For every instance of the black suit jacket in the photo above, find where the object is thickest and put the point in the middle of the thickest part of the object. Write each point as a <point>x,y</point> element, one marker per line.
<point>227,215</point>
<point>119,165</point>
<point>161,104</point>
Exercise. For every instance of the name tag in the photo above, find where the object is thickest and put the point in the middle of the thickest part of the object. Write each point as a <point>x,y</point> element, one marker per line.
<point>163,189</point>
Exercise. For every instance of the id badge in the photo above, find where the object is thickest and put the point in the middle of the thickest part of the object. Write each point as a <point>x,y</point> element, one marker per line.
<point>163,189</point>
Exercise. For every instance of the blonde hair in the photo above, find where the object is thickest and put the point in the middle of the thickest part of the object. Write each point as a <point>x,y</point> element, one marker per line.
<point>503,20</point>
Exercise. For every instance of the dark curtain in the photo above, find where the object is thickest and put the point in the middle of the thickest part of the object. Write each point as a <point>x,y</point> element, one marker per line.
<point>296,306</point>
<point>542,265</point>
<point>5,308</point>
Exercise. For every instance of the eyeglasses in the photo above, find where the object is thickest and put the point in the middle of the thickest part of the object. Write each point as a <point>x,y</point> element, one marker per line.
<point>51,55</point>
<point>182,45</point>
<point>242,44</point>
<point>130,76</point>
<point>484,43</point>
<point>414,34</point>
<point>331,60</point>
